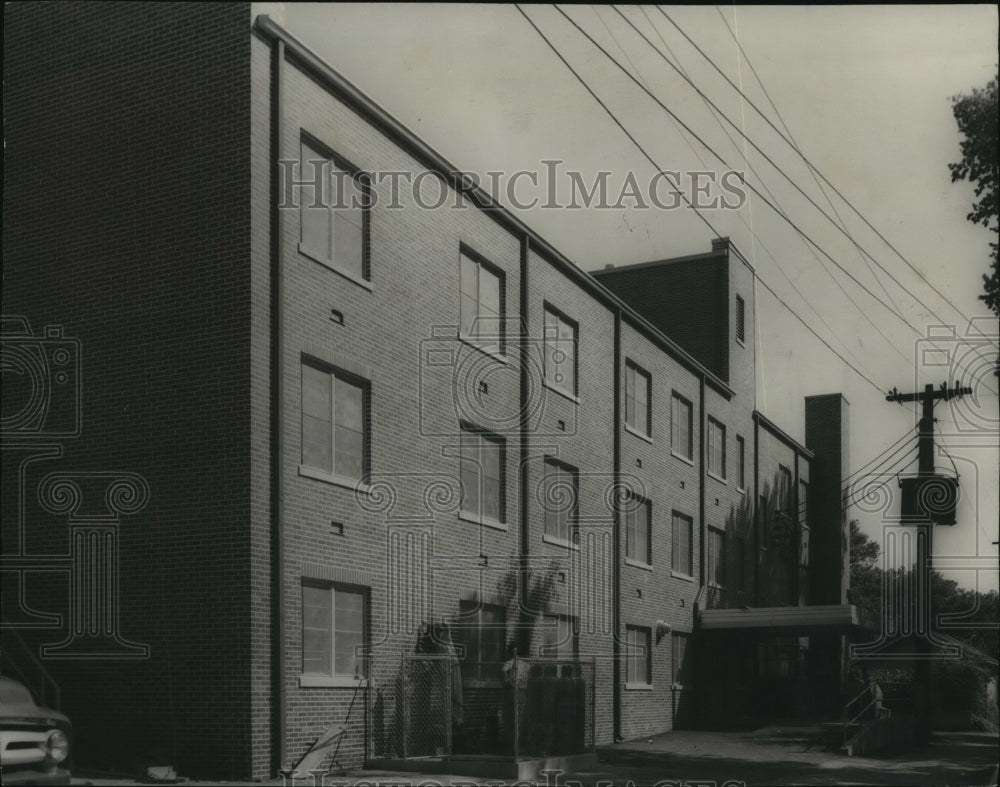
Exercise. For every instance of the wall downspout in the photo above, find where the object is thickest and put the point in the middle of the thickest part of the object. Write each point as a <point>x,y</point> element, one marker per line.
<point>525,507</point>
<point>616,702</point>
<point>702,445</point>
<point>278,703</point>
<point>758,524</point>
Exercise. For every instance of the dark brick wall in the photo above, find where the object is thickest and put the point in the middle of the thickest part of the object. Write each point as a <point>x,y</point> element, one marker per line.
<point>686,299</point>
<point>126,222</point>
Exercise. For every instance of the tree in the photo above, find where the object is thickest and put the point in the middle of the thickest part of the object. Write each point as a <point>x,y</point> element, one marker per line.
<point>865,587</point>
<point>976,115</point>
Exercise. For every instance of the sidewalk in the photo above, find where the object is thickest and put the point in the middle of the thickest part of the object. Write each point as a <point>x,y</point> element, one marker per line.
<point>767,756</point>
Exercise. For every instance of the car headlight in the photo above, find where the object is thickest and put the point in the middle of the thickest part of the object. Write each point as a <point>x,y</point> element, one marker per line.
<point>57,746</point>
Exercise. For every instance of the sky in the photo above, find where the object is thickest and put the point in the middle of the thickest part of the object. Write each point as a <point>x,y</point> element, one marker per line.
<point>860,92</point>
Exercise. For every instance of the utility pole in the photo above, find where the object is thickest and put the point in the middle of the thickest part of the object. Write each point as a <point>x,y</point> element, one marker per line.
<point>925,547</point>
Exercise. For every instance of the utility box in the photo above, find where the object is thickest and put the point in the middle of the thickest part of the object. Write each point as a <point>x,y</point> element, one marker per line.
<point>932,498</point>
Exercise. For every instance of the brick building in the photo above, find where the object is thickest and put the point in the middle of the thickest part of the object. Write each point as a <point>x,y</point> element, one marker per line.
<point>298,430</point>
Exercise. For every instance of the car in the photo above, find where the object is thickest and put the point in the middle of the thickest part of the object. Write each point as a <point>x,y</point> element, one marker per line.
<point>34,741</point>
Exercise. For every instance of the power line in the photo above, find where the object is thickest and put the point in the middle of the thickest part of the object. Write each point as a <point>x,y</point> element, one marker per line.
<point>812,168</point>
<point>691,131</point>
<point>749,185</point>
<point>768,159</point>
<point>809,248</point>
<point>715,232</point>
<point>793,141</point>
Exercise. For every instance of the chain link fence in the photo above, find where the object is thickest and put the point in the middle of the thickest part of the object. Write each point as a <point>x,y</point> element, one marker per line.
<point>439,707</point>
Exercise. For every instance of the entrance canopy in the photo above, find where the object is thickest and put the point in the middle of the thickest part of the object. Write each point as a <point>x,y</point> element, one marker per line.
<point>793,621</point>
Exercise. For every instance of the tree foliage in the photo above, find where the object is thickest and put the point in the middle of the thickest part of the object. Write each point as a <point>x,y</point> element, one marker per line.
<point>976,114</point>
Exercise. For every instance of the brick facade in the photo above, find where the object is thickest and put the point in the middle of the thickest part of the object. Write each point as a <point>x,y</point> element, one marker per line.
<point>196,307</point>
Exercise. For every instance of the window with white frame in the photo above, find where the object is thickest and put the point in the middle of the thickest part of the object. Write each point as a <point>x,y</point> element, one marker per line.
<point>334,630</point>
<point>681,558</point>
<point>560,351</point>
<point>637,399</point>
<point>560,492</point>
<point>333,211</point>
<point>638,656</point>
<point>334,421</point>
<point>716,557</point>
<point>482,474</point>
<point>560,637</point>
<point>482,301</point>
<point>637,535</point>
<point>481,633</point>
<point>680,427</point>
<point>716,448</point>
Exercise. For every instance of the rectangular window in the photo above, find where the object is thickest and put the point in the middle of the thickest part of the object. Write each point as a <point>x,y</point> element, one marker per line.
<point>560,351</point>
<point>803,507</point>
<point>716,557</point>
<point>560,492</point>
<point>482,475</point>
<point>637,401</point>
<point>785,488</point>
<point>741,458</point>
<point>681,558</point>
<point>716,448</point>
<point>481,633</point>
<point>637,516</point>
<point>678,643</point>
<point>482,302</point>
<point>680,427</point>
<point>333,212</point>
<point>334,631</point>
<point>740,320</point>
<point>638,661</point>
<point>334,421</point>
<point>560,637</point>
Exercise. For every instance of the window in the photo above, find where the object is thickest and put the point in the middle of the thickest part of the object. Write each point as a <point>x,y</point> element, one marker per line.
<point>334,422</point>
<point>560,352</point>
<point>482,475</point>
<point>741,458</point>
<point>716,557</point>
<point>334,631</point>
<point>482,302</point>
<point>785,488</point>
<point>637,404</point>
<point>803,507</point>
<point>716,448</point>
<point>481,631</point>
<point>637,530</point>
<point>681,557</point>
<point>333,212</point>
<point>561,492</point>
<point>740,320</point>
<point>678,647</point>
<point>560,638</point>
<point>638,670</point>
<point>680,427</point>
